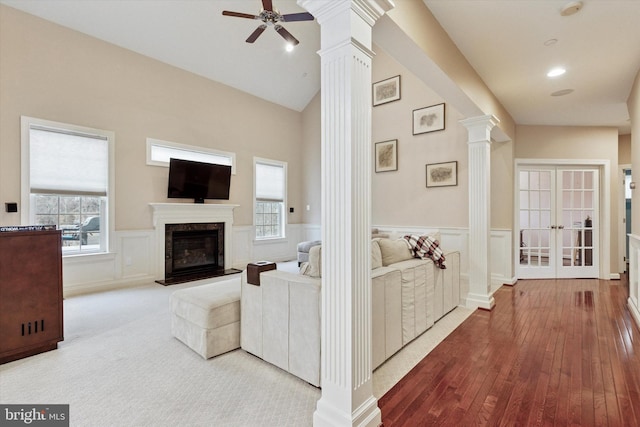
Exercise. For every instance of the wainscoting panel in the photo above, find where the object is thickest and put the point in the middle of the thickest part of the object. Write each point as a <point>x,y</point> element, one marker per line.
<point>133,261</point>
<point>247,249</point>
<point>130,264</point>
<point>634,271</point>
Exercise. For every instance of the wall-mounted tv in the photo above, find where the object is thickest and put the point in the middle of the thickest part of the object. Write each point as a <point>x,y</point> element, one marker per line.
<point>198,181</point>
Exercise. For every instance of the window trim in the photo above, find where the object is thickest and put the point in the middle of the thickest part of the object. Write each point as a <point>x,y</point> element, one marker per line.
<point>26,216</point>
<point>282,164</point>
<point>152,142</point>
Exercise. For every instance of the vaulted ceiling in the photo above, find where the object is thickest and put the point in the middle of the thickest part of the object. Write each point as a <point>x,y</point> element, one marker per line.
<point>510,43</point>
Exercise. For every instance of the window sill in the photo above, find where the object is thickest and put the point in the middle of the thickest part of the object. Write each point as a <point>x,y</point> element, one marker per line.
<point>77,258</point>
<point>270,240</point>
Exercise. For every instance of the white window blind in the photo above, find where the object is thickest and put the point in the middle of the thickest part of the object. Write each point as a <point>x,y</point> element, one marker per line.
<point>67,163</point>
<point>269,182</point>
<point>160,152</point>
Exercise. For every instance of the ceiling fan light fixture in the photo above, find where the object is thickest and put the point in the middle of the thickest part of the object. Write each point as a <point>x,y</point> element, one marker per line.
<point>271,17</point>
<point>571,8</point>
<point>557,71</point>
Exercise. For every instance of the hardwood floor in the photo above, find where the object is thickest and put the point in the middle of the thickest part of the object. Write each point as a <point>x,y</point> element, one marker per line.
<point>552,352</point>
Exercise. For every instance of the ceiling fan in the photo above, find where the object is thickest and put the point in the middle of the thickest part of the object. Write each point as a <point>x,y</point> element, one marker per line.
<point>271,16</point>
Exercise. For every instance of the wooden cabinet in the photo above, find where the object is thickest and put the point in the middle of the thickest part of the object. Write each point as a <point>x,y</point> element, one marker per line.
<point>30,293</point>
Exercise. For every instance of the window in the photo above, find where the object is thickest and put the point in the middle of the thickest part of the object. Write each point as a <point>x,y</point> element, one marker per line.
<point>66,182</point>
<point>159,152</point>
<point>270,194</point>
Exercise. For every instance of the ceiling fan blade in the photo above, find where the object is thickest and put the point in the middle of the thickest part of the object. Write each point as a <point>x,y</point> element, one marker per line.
<point>292,17</point>
<point>239,15</point>
<point>256,33</point>
<point>267,5</point>
<point>286,34</point>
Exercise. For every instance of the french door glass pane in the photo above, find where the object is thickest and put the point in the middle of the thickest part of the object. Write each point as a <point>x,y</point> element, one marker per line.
<point>577,213</point>
<point>535,217</point>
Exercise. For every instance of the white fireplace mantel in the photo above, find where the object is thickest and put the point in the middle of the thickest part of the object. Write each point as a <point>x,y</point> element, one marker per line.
<point>185,213</point>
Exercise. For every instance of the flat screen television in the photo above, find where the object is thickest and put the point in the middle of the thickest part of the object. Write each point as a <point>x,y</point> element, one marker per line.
<point>198,181</point>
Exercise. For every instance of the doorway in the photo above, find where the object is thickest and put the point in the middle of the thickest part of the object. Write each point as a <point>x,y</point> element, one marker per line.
<point>627,212</point>
<point>558,221</point>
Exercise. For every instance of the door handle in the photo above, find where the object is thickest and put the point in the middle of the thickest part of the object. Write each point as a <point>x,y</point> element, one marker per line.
<point>553,227</point>
<point>560,227</point>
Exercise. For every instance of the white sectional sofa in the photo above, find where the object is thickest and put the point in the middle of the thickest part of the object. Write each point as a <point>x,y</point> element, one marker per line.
<point>280,319</point>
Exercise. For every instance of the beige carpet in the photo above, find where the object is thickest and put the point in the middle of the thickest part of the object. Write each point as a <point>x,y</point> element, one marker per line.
<point>120,366</point>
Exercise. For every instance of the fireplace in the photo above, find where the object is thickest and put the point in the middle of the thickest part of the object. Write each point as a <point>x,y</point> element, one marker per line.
<point>193,249</point>
<point>193,217</point>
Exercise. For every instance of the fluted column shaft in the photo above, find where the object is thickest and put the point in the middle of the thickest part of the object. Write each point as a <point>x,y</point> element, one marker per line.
<point>479,129</point>
<point>346,56</point>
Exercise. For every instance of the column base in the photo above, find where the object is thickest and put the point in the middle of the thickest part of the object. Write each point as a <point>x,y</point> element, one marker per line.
<point>484,302</point>
<point>367,415</point>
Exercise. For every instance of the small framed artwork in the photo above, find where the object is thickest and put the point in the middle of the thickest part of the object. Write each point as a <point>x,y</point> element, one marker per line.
<point>387,156</point>
<point>442,174</point>
<point>386,91</point>
<point>428,119</point>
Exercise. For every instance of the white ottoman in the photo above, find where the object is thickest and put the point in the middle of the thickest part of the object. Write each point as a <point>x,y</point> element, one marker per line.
<point>207,317</point>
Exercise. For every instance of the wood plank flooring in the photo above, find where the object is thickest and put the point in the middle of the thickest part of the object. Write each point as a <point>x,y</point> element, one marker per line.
<point>551,353</point>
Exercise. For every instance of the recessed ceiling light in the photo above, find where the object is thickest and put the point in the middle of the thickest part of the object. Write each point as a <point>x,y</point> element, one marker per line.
<point>571,8</point>
<point>555,72</point>
<point>562,92</point>
<point>289,47</point>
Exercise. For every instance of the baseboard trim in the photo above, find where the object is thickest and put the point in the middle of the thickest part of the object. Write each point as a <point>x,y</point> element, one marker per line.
<point>634,311</point>
<point>83,289</point>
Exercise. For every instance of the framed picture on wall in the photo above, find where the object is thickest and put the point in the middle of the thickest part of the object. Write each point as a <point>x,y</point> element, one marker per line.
<point>386,91</point>
<point>386,156</point>
<point>428,119</point>
<point>442,174</point>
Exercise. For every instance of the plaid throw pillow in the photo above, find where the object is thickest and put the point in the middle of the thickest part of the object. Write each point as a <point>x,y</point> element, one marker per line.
<point>426,247</point>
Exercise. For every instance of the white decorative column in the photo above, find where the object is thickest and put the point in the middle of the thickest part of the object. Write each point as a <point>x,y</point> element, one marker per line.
<point>479,129</point>
<point>346,377</point>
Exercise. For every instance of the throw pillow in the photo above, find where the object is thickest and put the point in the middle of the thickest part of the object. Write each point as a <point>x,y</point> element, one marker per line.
<point>394,251</point>
<point>376,255</point>
<point>304,268</point>
<point>315,262</point>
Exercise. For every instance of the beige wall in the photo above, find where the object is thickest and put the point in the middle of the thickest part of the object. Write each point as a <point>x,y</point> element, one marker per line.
<point>436,207</point>
<point>633,104</point>
<point>624,149</point>
<point>311,160</point>
<point>53,73</point>
<point>502,185</point>
<point>417,21</point>
<point>401,197</point>
<point>589,143</point>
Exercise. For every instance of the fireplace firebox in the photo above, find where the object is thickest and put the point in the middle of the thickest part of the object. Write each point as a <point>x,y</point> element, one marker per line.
<point>193,251</point>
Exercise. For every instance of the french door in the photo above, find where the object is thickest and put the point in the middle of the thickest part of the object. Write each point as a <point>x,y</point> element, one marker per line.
<point>558,222</point>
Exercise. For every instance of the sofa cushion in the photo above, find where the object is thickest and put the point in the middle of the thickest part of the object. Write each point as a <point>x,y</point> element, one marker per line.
<point>394,251</point>
<point>313,268</point>
<point>376,255</point>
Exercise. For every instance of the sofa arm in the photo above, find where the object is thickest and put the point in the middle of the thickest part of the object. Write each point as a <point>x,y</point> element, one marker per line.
<point>290,323</point>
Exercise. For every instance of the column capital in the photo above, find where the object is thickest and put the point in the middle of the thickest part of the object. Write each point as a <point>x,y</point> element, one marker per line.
<point>369,10</point>
<point>479,127</point>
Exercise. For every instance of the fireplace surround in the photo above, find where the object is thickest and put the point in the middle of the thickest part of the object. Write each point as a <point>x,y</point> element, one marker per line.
<point>193,249</point>
<point>188,215</point>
